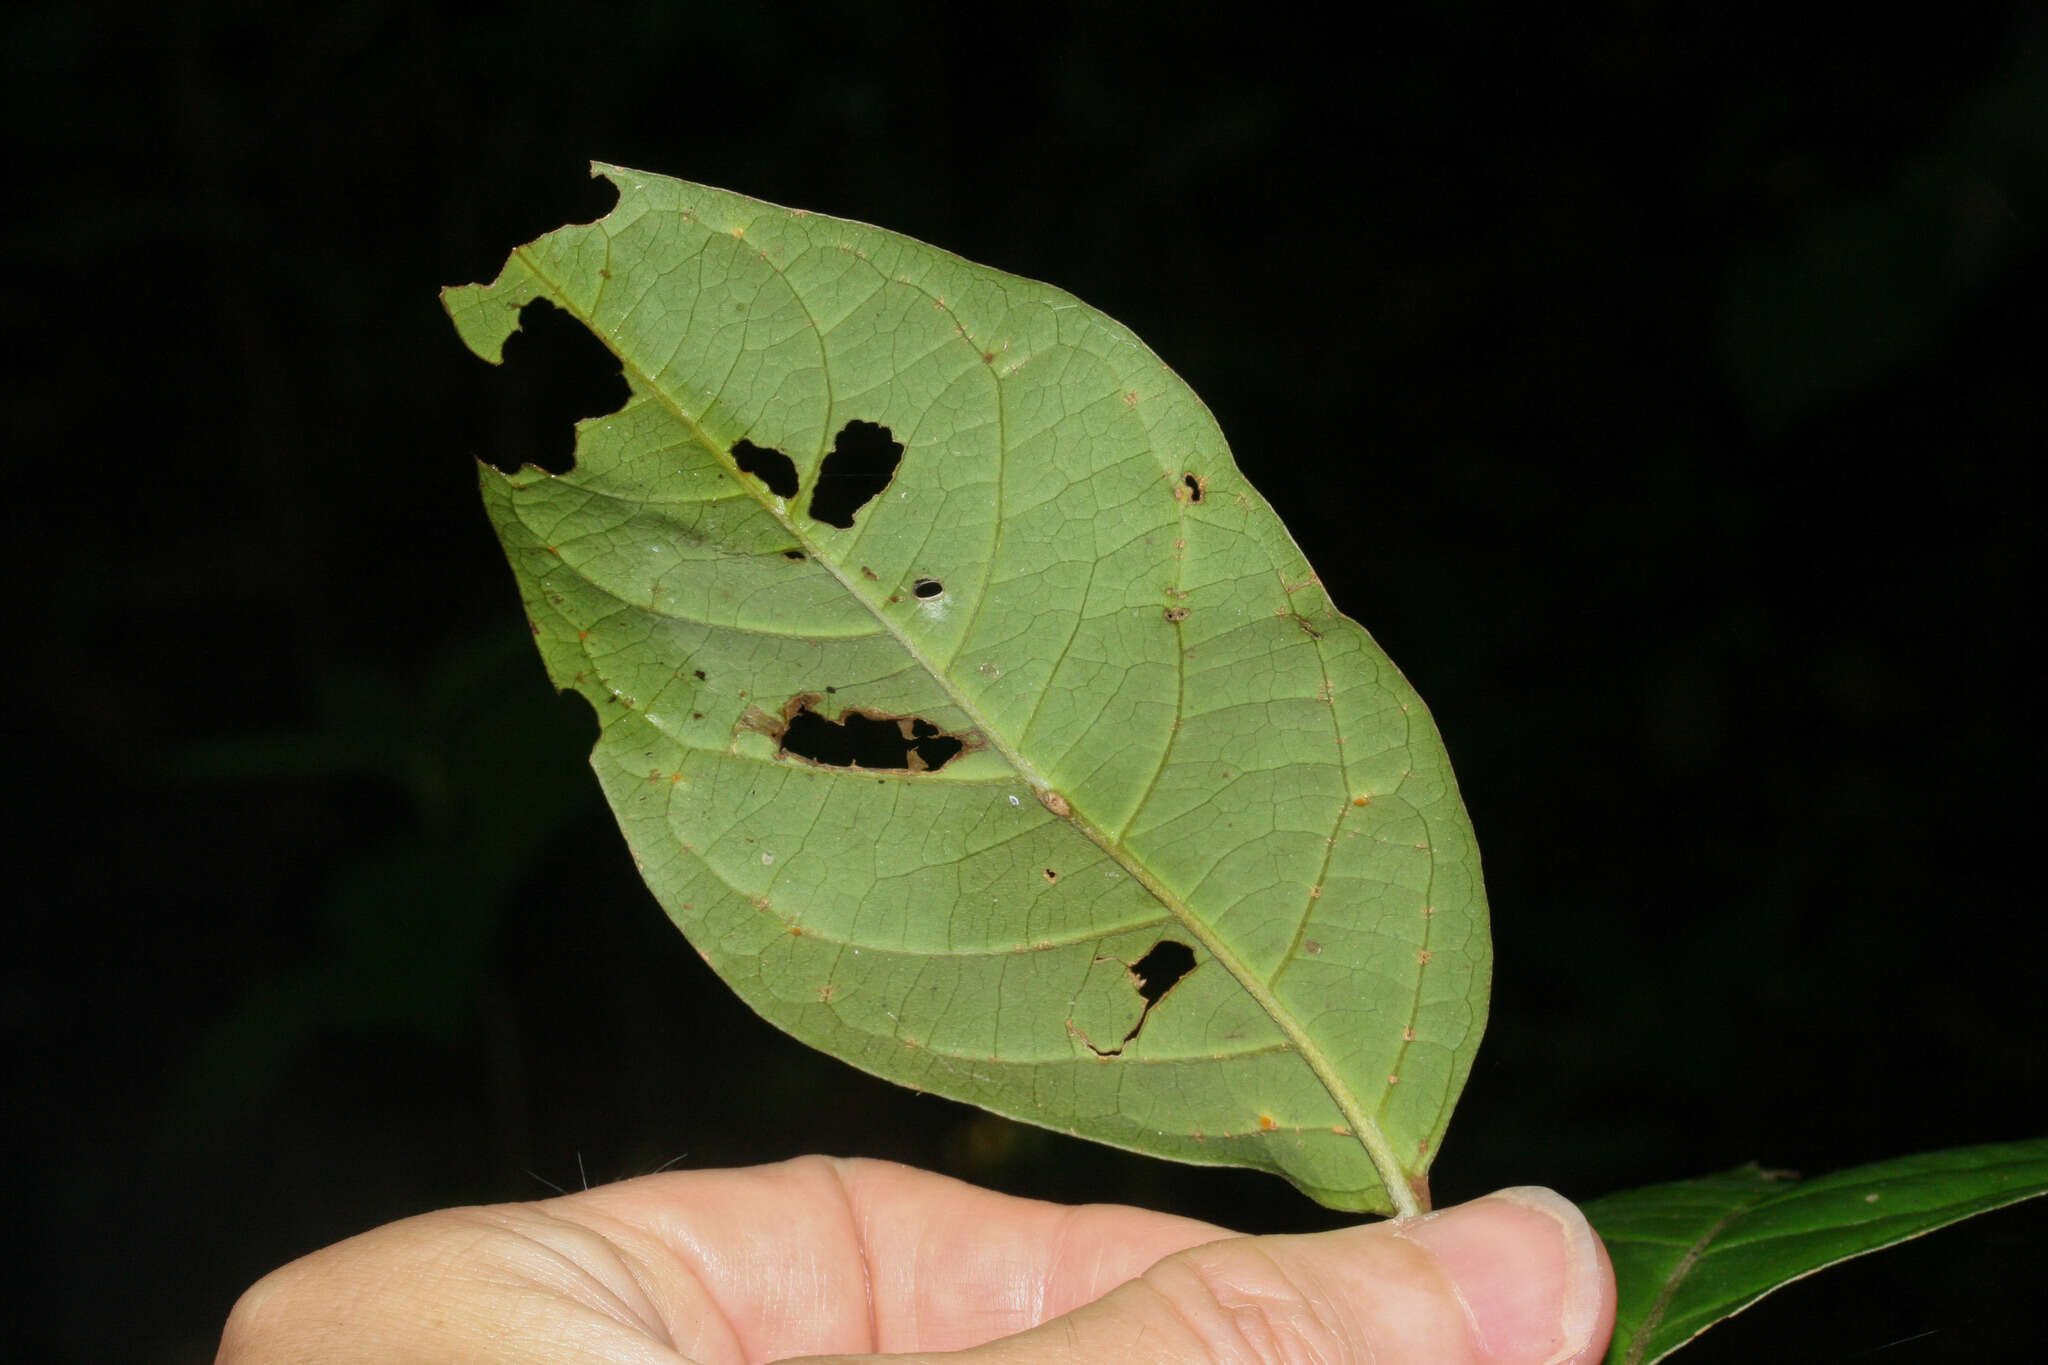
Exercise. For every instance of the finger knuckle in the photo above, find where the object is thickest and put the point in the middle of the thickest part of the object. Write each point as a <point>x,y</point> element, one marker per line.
<point>1243,1308</point>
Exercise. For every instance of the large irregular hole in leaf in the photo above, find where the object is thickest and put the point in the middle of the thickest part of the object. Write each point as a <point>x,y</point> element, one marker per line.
<point>555,374</point>
<point>1154,974</point>
<point>1160,970</point>
<point>767,464</point>
<point>859,739</point>
<point>863,460</point>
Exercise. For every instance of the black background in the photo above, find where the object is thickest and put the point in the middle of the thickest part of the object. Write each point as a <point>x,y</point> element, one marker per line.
<point>1661,390</point>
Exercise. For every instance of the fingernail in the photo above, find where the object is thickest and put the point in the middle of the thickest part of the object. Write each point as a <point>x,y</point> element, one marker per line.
<point>1526,1267</point>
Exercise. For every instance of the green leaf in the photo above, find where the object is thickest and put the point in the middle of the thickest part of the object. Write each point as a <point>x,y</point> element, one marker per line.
<point>1691,1253</point>
<point>1160,849</point>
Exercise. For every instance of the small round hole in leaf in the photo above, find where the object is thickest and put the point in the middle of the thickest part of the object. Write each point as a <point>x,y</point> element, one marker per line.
<point>928,589</point>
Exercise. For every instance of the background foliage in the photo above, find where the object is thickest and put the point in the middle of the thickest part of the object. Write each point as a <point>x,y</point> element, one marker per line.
<point>1710,344</point>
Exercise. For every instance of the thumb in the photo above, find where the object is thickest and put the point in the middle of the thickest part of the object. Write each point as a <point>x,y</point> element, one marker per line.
<point>1515,1278</point>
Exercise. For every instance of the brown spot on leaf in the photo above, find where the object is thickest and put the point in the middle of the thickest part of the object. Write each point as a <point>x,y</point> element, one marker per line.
<point>761,723</point>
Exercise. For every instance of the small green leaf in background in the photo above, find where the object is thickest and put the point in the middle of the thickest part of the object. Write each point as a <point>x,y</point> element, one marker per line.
<point>1691,1253</point>
<point>973,716</point>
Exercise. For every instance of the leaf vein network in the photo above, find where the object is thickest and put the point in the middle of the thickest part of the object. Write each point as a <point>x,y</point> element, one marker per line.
<point>1059,657</point>
<point>995,545</point>
<point>1423,953</point>
<point>824,358</point>
<point>653,608</point>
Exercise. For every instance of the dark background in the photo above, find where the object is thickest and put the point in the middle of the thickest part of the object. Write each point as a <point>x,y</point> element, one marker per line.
<point>1661,390</point>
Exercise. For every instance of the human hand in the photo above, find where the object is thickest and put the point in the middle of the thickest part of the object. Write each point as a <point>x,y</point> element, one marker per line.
<point>829,1260</point>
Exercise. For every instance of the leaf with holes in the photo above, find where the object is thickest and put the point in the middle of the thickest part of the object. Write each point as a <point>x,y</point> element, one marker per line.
<point>971,713</point>
<point>1691,1253</point>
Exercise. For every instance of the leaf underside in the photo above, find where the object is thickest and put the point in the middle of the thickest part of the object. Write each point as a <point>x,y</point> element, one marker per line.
<point>1690,1253</point>
<point>1159,848</point>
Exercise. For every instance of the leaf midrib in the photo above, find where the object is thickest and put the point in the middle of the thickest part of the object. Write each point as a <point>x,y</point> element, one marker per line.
<point>1393,1176</point>
<point>1654,1318</point>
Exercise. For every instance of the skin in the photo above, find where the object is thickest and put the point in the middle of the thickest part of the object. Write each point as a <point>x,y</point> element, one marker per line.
<point>825,1260</point>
